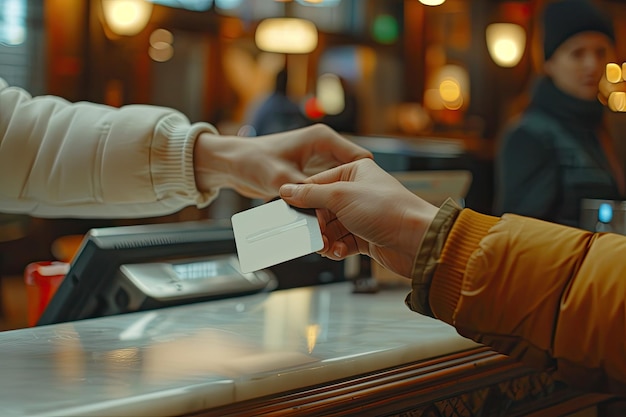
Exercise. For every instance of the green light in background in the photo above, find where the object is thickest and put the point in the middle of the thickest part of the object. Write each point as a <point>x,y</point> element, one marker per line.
<point>385,29</point>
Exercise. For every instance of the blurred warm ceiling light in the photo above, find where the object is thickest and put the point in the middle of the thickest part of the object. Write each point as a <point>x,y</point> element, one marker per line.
<point>126,17</point>
<point>506,43</point>
<point>314,2</point>
<point>432,2</point>
<point>286,35</point>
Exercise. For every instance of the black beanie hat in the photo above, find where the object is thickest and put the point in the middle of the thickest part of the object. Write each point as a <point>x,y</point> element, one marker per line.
<point>566,18</point>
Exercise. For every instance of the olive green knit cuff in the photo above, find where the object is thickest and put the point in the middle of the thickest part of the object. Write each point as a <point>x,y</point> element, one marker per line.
<point>428,256</point>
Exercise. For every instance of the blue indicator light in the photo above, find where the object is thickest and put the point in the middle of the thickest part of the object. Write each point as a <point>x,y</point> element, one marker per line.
<point>605,213</point>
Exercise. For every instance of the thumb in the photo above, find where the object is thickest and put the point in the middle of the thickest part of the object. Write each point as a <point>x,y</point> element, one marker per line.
<point>305,195</point>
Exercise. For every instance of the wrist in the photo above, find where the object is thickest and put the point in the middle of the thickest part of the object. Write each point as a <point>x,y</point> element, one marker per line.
<point>213,161</point>
<point>416,221</point>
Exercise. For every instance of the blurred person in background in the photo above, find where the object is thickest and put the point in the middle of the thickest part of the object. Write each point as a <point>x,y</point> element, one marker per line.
<point>559,151</point>
<point>278,112</point>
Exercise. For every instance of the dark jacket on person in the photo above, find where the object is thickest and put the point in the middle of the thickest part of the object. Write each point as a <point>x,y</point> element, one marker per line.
<point>278,114</point>
<point>552,158</point>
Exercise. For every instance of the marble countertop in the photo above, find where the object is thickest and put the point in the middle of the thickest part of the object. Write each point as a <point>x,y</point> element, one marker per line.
<point>189,358</point>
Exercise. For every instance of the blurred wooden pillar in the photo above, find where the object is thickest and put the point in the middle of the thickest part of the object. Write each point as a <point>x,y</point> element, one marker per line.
<point>66,24</point>
<point>483,75</point>
<point>414,51</point>
<point>82,60</point>
<point>116,62</point>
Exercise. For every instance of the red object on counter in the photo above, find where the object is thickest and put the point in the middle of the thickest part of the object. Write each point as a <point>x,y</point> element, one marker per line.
<point>42,280</point>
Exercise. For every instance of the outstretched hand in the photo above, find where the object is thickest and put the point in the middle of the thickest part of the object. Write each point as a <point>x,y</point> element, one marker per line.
<point>363,209</point>
<point>257,167</point>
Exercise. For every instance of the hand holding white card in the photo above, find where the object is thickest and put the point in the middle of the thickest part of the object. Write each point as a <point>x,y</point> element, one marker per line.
<point>273,233</point>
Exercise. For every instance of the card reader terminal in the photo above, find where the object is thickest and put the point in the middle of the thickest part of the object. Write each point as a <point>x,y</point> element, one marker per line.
<point>187,279</point>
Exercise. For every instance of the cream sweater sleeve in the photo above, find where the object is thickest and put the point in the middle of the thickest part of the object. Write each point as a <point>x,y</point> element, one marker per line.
<point>62,159</point>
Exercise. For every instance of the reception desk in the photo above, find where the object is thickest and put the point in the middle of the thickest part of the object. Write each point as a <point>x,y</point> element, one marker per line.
<point>304,351</point>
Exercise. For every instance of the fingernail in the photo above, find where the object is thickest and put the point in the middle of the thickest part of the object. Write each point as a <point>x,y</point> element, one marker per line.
<point>287,190</point>
<point>337,253</point>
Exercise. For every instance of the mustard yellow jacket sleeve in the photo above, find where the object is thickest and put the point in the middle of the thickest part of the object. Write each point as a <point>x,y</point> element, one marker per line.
<point>551,296</point>
<point>62,159</point>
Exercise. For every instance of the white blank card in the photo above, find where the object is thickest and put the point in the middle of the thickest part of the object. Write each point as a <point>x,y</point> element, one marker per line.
<point>273,233</point>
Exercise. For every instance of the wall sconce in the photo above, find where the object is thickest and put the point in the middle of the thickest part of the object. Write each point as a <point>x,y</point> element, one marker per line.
<point>506,43</point>
<point>448,89</point>
<point>330,94</point>
<point>126,17</point>
<point>286,35</point>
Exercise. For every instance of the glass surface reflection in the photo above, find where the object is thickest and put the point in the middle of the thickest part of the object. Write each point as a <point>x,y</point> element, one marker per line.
<point>183,359</point>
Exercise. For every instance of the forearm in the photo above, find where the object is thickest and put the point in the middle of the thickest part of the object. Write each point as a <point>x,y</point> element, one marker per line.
<point>87,160</point>
<point>443,255</point>
<point>548,295</point>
